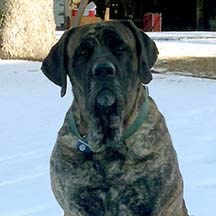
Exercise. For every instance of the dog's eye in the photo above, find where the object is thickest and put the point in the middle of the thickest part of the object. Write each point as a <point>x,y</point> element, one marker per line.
<point>83,52</point>
<point>116,45</point>
<point>86,48</point>
<point>120,49</point>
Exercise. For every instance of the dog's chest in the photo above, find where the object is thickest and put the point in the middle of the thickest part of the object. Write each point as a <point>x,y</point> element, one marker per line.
<point>110,181</point>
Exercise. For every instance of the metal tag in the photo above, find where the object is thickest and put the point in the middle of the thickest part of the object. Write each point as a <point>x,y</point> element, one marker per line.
<point>83,147</point>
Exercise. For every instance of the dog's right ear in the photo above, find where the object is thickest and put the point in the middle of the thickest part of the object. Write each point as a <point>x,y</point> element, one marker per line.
<point>54,65</point>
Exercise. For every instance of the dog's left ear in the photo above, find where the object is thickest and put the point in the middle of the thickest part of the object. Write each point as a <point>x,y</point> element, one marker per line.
<point>146,50</point>
<point>54,65</point>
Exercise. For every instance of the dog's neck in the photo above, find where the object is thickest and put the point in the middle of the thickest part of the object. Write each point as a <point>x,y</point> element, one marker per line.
<point>132,114</point>
<point>80,119</point>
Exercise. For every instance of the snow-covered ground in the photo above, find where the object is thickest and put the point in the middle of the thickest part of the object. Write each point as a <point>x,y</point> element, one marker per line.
<point>32,111</point>
<point>183,44</point>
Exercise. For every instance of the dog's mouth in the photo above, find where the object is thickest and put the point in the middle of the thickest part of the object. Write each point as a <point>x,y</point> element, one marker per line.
<point>105,98</point>
<point>106,116</point>
<point>106,106</point>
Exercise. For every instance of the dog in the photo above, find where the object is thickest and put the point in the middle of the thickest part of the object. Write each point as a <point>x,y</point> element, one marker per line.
<point>113,155</point>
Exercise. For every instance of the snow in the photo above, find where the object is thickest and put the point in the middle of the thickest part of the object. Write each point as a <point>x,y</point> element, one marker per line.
<point>183,44</point>
<point>184,48</point>
<point>167,35</point>
<point>32,112</point>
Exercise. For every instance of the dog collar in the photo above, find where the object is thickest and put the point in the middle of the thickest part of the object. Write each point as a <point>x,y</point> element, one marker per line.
<point>141,117</point>
<point>82,144</point>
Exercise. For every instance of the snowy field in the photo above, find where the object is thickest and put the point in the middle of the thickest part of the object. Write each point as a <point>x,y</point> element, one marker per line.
<point>182,44</point>
<point>32,112</point>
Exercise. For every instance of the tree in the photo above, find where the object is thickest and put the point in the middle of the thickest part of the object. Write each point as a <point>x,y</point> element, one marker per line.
<point>27,29</point>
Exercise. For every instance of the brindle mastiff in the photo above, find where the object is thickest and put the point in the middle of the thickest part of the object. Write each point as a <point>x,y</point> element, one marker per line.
<point>113,155</point>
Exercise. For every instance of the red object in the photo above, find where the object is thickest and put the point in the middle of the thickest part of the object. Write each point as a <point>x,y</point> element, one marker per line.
<point>152,22</point>
<point>88,13</point>
<point>74,12</point>
<point>91,13</point>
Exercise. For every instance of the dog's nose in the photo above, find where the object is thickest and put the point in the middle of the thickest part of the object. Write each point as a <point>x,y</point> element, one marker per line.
<point>103,70</point>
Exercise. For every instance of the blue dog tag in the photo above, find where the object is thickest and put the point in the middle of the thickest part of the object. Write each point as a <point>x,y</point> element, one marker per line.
<point>83,147</point>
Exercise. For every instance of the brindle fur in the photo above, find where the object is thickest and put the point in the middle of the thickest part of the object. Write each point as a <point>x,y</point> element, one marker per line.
<point>137,177</point>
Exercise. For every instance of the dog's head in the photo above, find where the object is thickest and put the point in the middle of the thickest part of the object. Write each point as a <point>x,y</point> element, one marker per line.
<point>106,63</point>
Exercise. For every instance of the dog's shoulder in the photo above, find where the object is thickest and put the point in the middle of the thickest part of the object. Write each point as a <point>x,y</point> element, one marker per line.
<point>65,139</point>
<point>153,134</point>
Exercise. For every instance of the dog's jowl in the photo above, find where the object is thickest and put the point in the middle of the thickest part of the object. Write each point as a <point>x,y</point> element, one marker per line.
<point>113,155</point>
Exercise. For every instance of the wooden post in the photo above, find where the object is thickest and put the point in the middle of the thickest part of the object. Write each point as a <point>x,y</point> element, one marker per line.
<point>81,10</point>
<point>67,14</point>
<point>107,14</point>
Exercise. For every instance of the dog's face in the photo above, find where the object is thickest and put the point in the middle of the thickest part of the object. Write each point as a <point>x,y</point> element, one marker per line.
<point>106,63</point>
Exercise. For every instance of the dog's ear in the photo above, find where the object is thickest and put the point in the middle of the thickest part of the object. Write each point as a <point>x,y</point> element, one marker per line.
<point>146,50</point>
<point>54,65</point>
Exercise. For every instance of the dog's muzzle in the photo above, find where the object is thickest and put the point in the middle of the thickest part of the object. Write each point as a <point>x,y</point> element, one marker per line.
<point>104,72</point>
<point>105,98</point>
